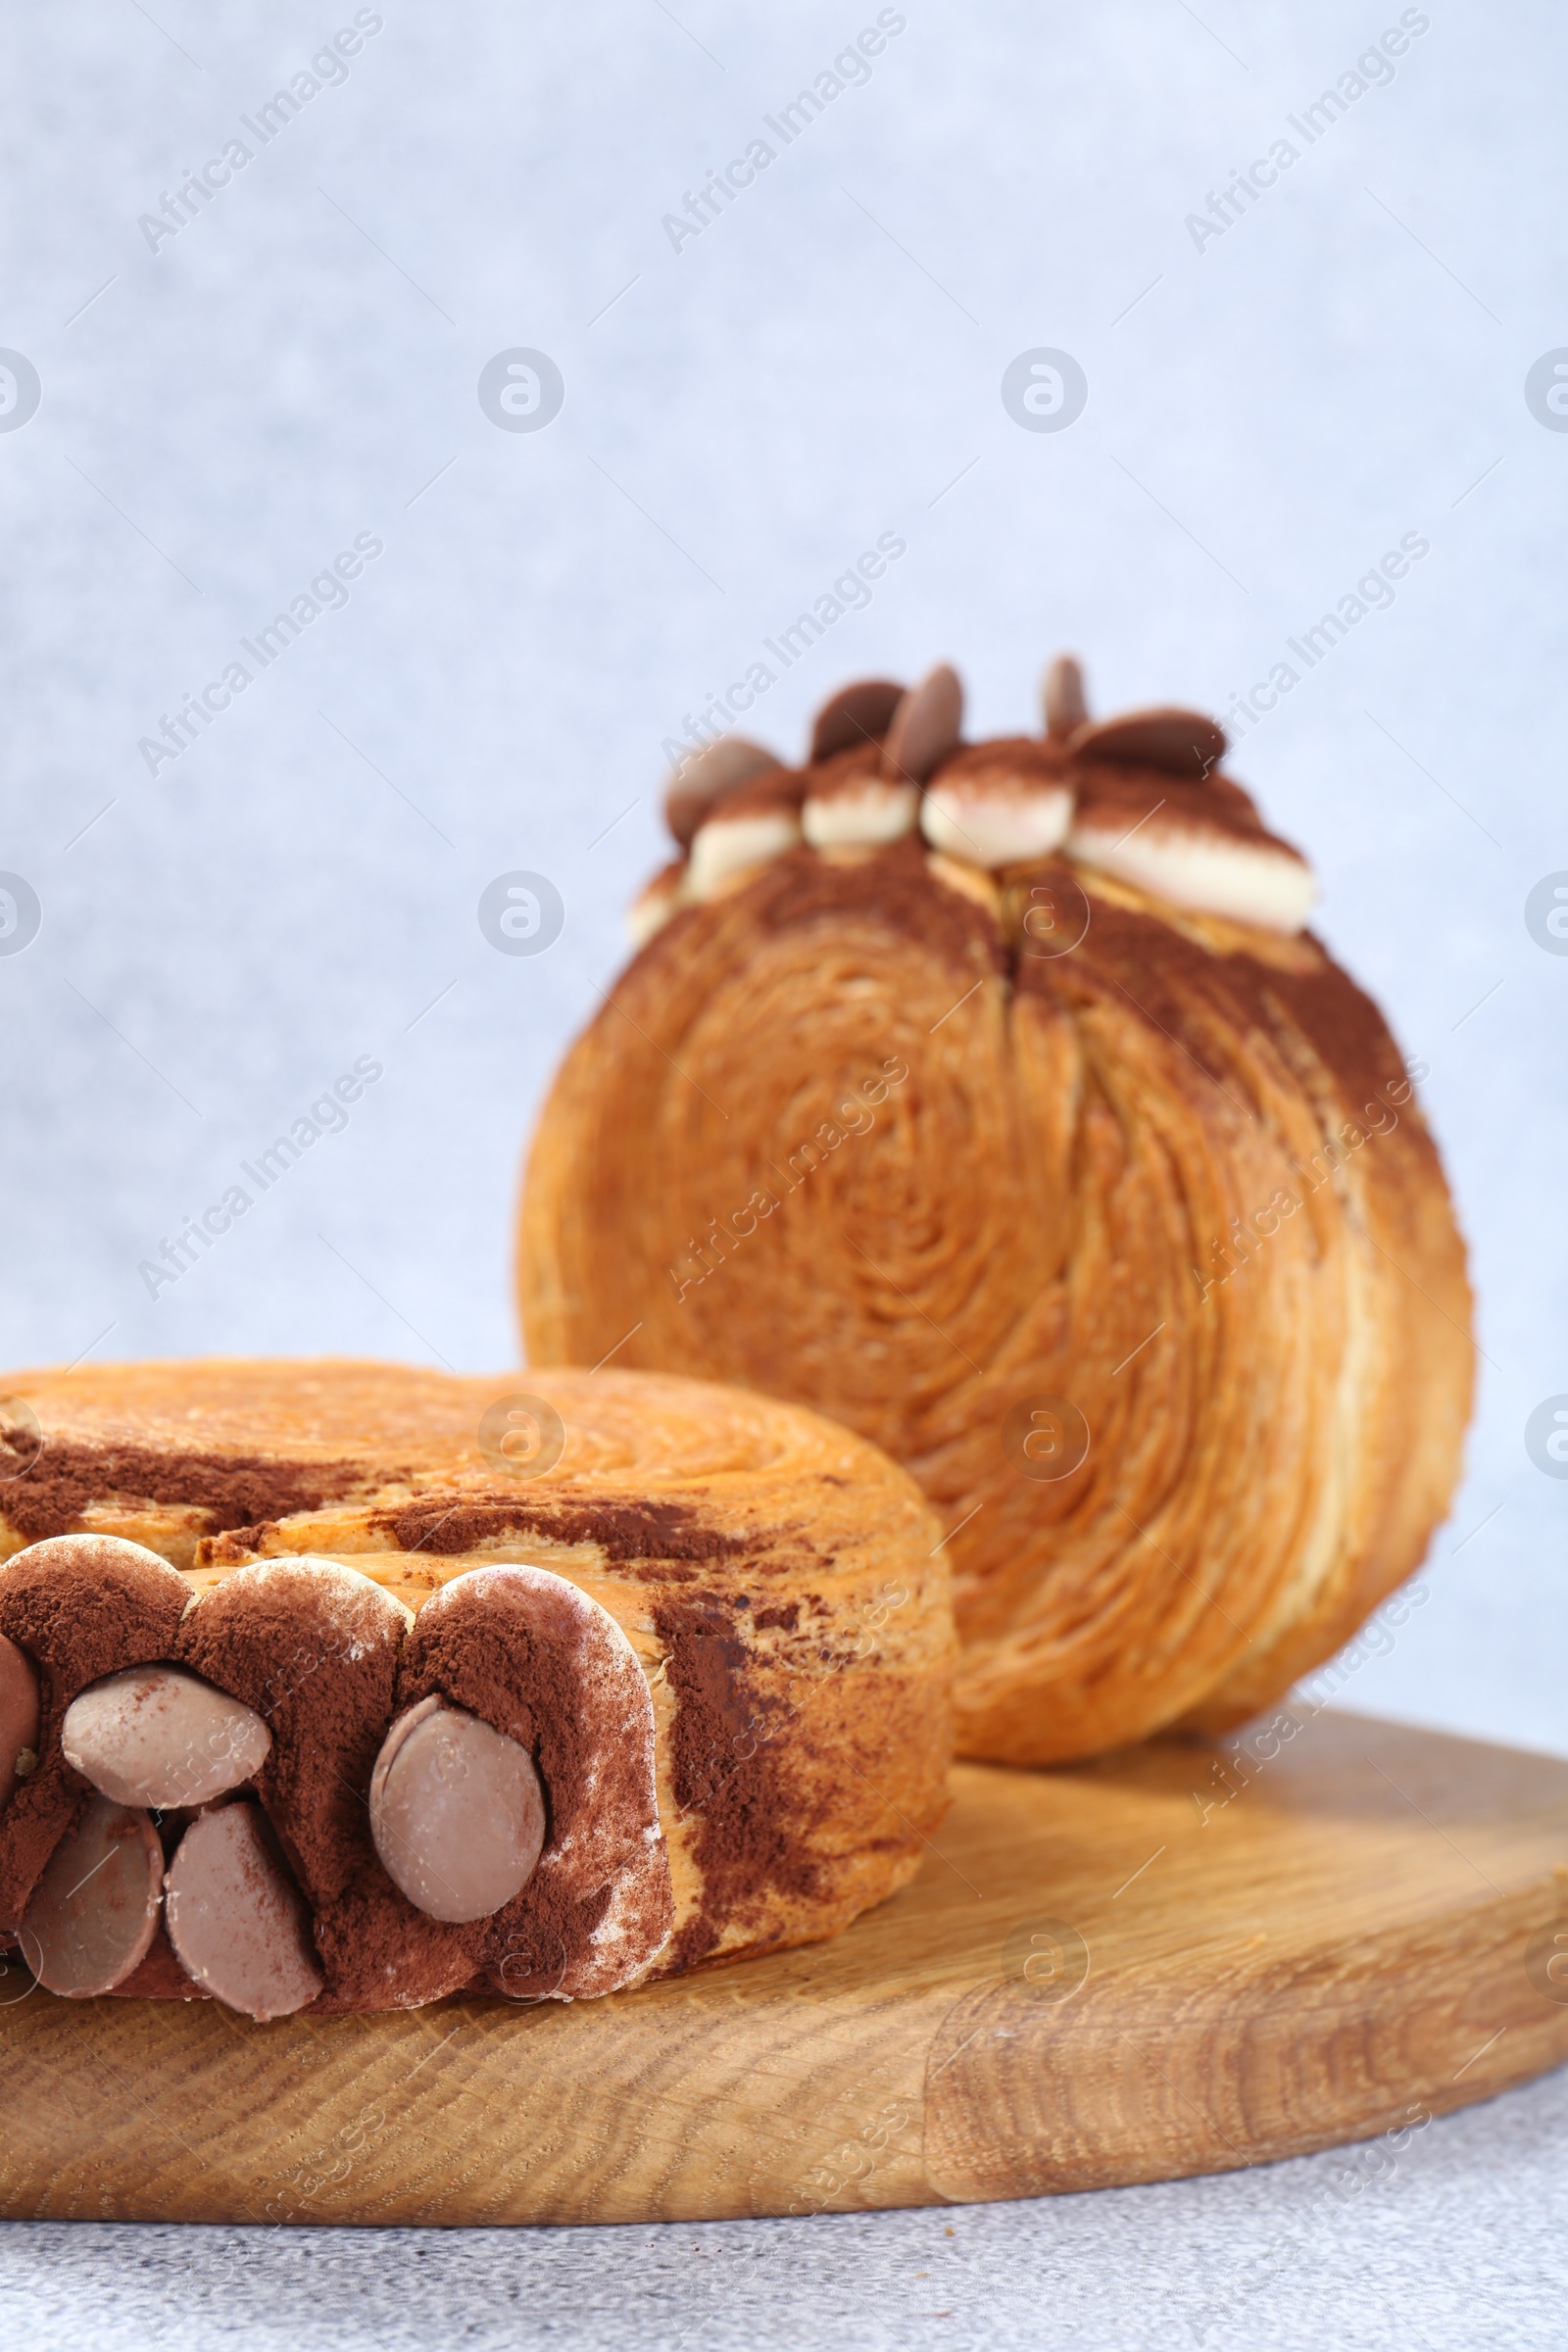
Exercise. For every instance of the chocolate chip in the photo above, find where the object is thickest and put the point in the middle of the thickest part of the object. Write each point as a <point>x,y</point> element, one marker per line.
<point>236,1919</point>
<point>1183,742</point>
<point>1065,706</point>
<point>925,726</point>
<point>161,1736</point>
<point>856,714</point>
<point>456,1812</point>
<point>93,1914</point>
<point>703,779</point>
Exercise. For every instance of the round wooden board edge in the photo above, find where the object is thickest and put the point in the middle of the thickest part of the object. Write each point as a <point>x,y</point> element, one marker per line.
<point>887,2069</point>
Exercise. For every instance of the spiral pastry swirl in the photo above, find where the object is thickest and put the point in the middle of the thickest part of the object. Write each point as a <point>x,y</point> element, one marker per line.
<point>1110,1214</point>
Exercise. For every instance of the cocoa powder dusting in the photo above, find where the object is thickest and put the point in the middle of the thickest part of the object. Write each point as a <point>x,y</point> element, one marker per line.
<point>670,1531</point>
<point>893,886</point>
<point>315,1655</point>
<point>322,1656</point>
<point>1027,759</point>
<point>726,1775</point>
<point>1130,795</point>
<point>79,1610</point>
<point>1148,968</point>
<point>315,1651</point>
<point>1161,968</point>
<point>233,1488</point>
<point>520,1656</point>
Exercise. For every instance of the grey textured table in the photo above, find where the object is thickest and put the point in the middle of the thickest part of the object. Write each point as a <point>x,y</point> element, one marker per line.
<point>1454,2240</point>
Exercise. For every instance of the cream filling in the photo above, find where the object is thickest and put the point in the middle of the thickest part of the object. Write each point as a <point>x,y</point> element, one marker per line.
<point>874,813</point>
<point>1205,870</point>
<point>726,844</point>
<point>652,909</point>
<point>995,828</point>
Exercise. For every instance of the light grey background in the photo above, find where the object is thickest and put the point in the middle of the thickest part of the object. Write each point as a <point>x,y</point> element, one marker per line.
<point>1266,416</point>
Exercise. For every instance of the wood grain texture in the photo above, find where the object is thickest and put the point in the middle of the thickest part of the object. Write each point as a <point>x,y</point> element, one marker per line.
<point>1185,1959</point>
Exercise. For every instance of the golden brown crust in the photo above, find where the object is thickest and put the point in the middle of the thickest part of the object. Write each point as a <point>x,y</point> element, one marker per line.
<point>777,1579</point>
<point>1174,1173</point>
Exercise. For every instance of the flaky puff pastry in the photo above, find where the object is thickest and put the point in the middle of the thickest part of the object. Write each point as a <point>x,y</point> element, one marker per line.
<point>717,1626</point>
<point>1116,1221</point>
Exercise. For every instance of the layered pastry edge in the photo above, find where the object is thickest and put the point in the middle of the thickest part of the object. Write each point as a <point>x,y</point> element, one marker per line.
<point>821,944</point>
<point>733,1692</point>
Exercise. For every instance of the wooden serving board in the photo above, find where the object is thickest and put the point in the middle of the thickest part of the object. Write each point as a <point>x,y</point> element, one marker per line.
<point>1181,1960</point>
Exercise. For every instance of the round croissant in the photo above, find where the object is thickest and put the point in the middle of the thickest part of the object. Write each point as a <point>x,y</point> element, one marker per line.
<point>1042,1147</point>
<point>533,1691</point>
